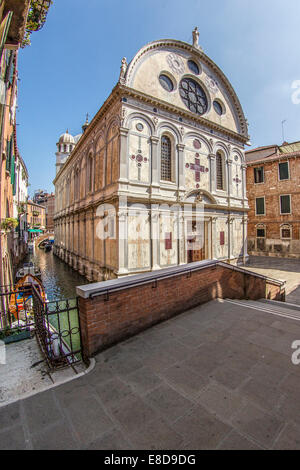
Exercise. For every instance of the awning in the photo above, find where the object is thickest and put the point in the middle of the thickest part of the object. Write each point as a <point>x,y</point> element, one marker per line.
<point>35,230</point>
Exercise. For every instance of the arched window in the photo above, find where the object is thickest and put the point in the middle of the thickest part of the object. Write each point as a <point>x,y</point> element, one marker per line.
<point>166,159</point>
<point>260,231</point>
<point>90,174</point>
<point>286,231</point>
<point>77,185</point>
<point>219,171</point>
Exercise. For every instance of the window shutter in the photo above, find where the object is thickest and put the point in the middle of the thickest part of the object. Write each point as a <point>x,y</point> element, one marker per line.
<point>284,171</point>
<point>12,171</point>
<point>7,154</point>
<point>285,204</point>
<point>260,206</point>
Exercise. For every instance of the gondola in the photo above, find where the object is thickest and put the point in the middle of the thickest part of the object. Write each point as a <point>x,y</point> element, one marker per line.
<point>21,302</point>
<point>28,268</point>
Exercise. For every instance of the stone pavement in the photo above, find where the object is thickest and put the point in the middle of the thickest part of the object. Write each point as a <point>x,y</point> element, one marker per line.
<point>219,376</point>
<point>285,269</point>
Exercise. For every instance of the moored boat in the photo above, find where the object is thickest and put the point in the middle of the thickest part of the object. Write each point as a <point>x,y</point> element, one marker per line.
<point>28,268</point>
<point>21,302</point>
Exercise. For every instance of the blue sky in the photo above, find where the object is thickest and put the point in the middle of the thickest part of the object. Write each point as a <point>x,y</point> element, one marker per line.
<point>74,62</point>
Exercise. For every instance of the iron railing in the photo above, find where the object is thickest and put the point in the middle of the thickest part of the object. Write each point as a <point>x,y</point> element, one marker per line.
<point>16,308</point>
<point>58,330</point>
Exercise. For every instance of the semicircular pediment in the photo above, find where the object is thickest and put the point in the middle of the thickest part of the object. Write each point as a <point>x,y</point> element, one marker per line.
<point>152,68</point>
<point>200,196</point>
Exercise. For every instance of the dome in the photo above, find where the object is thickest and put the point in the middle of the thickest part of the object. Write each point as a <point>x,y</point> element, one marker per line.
<point>66,139</point>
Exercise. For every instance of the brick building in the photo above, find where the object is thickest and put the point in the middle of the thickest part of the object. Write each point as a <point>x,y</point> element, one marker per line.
<point>273,190</point>
<point>46,200</point>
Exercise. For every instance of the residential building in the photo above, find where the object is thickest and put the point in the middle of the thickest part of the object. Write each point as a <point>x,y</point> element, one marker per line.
<point>47,200</point>
<point>273,190</point>
<point>36,218</point>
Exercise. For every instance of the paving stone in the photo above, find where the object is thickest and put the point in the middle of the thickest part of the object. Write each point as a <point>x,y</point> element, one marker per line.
<point>73,393</point>
<point>10,415</point>
<point>114,440</point>
<point>184,380</point>
<point>192,340</point>
<point>124,363</point>
<point>13,439</point>
<point>138,347</point>
<point>220,400</point>
<point>201,429</point>
<point>41,410</point>
<point>262,393</point>
<point>101,374</point>
<point>133,413</point>
<point>289,409</point>
<point>235,441</point>
<point>143,380</point>
<point>258,424</point>
<point>291,384</point>
<point>89,420</point>
<point>289,438</point>
<point>168,402</point>
<point>160,360</point>
<point>156,435</point>
<point>57,437</point>
<point>113,391</point>
<point>228,377</point>
<point>201,364</point>
<point>268,374</point>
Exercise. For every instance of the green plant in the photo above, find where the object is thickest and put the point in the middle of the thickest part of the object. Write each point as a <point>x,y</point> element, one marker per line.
<point>36,18</point>
<point>21,208</point>
<point>9,223</point>
<point>7,331</point>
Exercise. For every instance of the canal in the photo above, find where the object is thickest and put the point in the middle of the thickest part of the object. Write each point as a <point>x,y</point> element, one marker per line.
<point>59,279</point>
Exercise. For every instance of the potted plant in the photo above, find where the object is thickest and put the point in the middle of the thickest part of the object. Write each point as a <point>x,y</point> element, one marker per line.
<point>9,224</point>
<point>12,335</point>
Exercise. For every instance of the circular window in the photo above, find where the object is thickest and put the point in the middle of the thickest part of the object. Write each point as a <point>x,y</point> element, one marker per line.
<point>193,67</point>
<point>218,108</point>
<point>193,96</point>
<point>139,126</point>
<point>166,82</point>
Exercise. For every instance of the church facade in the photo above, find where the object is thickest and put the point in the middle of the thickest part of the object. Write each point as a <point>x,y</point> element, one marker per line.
<point>158,178</point>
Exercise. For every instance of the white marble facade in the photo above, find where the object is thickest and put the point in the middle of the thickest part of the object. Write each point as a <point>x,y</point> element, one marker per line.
<point>118,163</point>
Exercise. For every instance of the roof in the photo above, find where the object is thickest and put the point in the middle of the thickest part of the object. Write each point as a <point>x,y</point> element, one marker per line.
<point>261,148</point>
<point>274,157</point>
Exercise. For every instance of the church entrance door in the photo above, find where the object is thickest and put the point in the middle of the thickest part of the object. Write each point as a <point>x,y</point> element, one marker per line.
<point>196,241</point>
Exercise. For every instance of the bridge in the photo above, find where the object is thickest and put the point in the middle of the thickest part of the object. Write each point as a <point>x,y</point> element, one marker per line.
<point>43,237</point>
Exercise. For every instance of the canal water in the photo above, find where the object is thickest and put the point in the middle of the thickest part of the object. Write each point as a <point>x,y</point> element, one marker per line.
<point>60,282</point>
<point>59,279</point>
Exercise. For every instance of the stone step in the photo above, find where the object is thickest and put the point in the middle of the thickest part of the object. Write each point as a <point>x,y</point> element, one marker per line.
<point>267,308</point>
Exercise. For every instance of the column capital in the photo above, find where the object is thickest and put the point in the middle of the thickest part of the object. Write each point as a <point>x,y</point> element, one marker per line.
<point>154,140</point>
<point>180,147</point>
<point>211,156</point>
<point>124,131</point>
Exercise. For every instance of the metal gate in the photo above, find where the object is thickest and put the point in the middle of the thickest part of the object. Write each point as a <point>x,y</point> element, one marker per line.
<point>58,330</point>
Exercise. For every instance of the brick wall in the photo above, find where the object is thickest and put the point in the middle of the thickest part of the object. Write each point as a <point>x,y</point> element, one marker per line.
<point>271,189</point>
<point>128,311</point>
